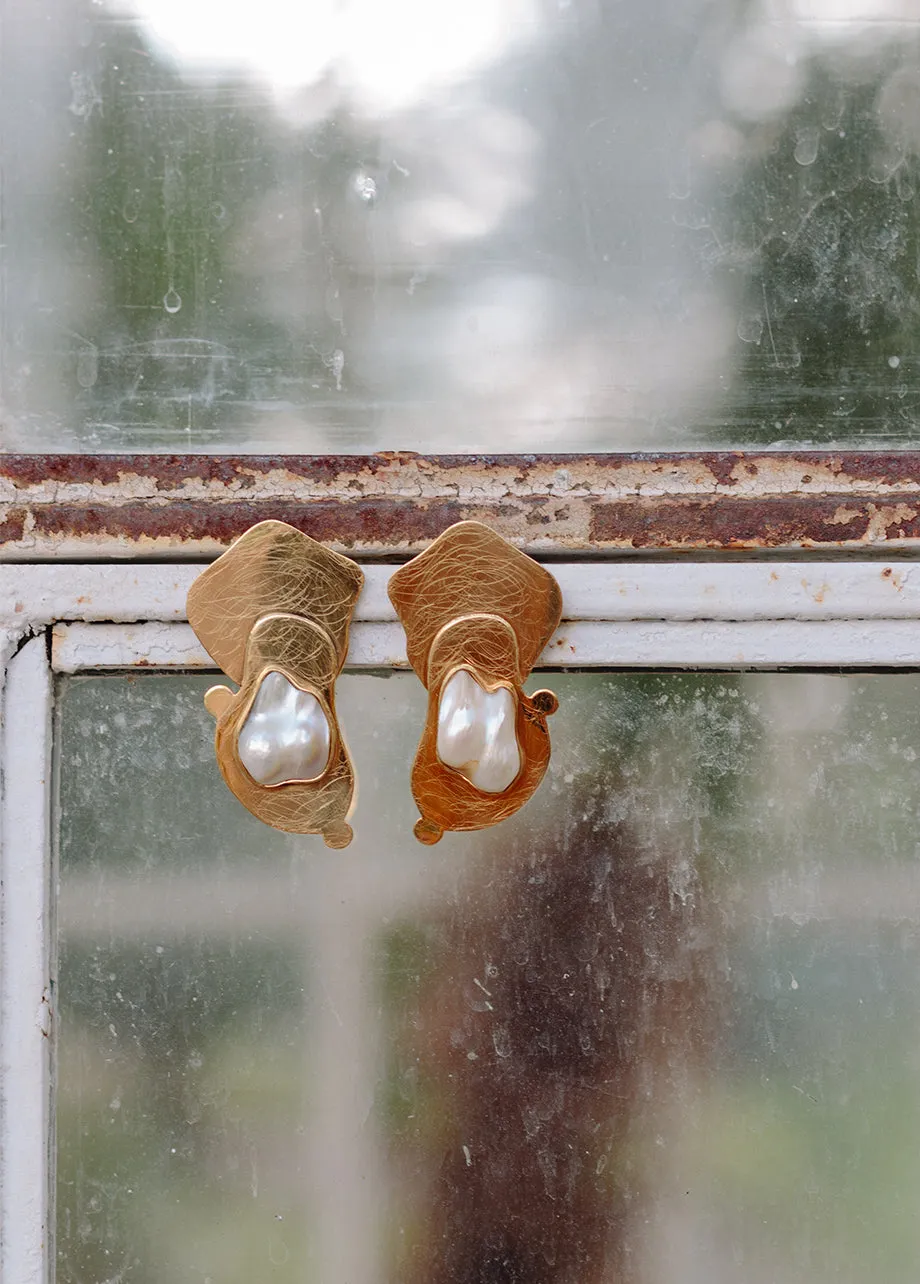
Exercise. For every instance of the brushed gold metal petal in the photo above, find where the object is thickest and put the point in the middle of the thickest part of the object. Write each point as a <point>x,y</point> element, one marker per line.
<point>277,601</point>
<point>471,570</point>
<point>473,601</point>
<point>271,567</point>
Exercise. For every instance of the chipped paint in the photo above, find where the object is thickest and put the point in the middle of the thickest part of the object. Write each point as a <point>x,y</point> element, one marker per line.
<point>193,506</point>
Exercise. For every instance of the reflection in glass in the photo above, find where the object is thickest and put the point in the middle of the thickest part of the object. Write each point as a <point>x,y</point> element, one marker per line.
<point>663,1025</point>
<point>558,224</point>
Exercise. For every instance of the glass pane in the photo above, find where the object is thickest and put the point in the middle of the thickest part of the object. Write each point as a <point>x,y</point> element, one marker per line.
<point>341,225</point>
<point>663,1026</point>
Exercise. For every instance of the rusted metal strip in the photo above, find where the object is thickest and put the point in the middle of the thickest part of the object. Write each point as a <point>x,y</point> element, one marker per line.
<point>102,506</point>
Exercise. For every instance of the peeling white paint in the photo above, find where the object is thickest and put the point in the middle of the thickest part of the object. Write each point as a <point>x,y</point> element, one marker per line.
<point>25,983</point>
<point>35,596</point>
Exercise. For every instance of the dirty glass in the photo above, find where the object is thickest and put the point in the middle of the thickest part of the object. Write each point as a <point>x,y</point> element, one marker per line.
<point>661,1026</point>
<point>343,225</point>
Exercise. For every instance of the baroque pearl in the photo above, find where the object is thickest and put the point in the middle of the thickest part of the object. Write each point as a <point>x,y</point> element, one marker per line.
<point>285,735</point>
<point>476,733</point>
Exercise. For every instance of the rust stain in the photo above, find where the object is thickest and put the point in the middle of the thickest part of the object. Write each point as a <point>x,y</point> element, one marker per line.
<point>380,524</point>
<point>897,581</point>
<point>12,526</point>
<point>892,468</point>
<point>167,473</point>
<point>902,528</point>
<point>377,522</point>
<point>772,522</point>
<point>722,466</point>
<point>398,502</point>
<point>171,471</point>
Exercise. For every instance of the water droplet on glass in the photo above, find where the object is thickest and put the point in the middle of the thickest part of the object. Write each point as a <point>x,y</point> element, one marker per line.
<point>903,184</point>
<point>365,187</point>
<point>884,164</point>
<point>832,110</point>
<point>806,145</point>
<point>750,328</point>
<point>278,1252</point>
<point>172,300</point>
<point>894,362</point>
<point>130,209</point>
<point>501,1041</point>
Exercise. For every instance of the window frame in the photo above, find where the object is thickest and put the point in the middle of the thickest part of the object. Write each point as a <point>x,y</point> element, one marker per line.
<point>642,589</point>
<point>108,507</point>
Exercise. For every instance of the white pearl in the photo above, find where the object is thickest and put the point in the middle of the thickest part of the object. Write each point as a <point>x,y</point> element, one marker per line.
<point>476,733</point>
<point>285,735</point>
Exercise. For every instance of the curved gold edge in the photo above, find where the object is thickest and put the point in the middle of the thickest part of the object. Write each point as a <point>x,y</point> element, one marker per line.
<point>467,570</point>
<point>302,651</point>
<point>319,806</point>
<point>448,801</point>
<point>473,601</point>
<point>272,567</point>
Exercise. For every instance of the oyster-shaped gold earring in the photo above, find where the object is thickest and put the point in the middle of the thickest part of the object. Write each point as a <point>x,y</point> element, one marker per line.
<point>477,614</point>
<point>273,612</point>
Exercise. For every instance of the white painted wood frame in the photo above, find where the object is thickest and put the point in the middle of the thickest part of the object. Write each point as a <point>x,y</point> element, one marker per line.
<point>77,618</point>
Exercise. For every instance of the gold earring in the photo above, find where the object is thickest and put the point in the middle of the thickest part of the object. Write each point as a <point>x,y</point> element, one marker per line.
<point>477,613</point>
<point>274,611</point>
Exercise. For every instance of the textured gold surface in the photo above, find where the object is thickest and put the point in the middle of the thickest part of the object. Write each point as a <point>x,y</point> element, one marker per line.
<point>277,601</point>
<point>472,601</point>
